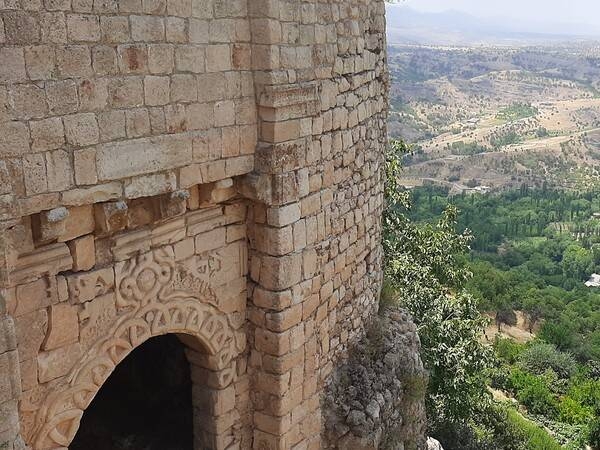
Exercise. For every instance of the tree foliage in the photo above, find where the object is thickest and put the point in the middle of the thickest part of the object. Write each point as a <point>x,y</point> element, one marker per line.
<point>423,263</point>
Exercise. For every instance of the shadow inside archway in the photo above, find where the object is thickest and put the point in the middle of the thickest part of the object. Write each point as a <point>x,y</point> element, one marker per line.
<point>146,403</point>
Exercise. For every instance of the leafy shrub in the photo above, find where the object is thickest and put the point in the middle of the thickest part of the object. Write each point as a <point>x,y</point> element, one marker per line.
<point>507,349</point>
<point>594,433</point>
<point>541,357</point>
<point>572,411</point>
<point>536,438</point>
<point>490,428</point>
<point>533,392</point>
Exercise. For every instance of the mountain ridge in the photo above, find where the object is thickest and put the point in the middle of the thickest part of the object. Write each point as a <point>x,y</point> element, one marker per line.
<point>452,27</point>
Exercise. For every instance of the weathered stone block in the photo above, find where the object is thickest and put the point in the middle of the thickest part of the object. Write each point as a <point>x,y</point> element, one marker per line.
<point>81,129</point>
<point>80,221</point>
<point>278,273</point>
<point>30,332</point>
<point>63,326</point>
<point>46,134</point>
<point>56,363</point>
<point>83,252</point>
<point>111,217</point>
<point>86,286</point>
<point>141,156</point>
<point>83,27</point>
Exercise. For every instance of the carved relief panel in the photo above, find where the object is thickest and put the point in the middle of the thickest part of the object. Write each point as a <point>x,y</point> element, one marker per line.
<point>121,307</point>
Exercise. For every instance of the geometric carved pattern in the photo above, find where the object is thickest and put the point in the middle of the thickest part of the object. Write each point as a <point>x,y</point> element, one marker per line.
<point>140,279</point>
<point>157,305</point>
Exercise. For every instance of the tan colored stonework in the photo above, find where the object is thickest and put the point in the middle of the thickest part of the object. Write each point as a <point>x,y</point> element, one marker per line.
<point>206,168</point>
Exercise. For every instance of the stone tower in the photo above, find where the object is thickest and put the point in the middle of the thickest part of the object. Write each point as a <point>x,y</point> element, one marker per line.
<point>205,168</point>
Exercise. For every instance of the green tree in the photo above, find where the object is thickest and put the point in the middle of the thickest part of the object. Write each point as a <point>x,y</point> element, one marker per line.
<point>577,262</point>
<point>423,262</point>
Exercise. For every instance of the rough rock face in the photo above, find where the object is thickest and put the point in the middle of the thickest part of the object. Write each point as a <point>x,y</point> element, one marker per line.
<point>375,400</point>
<point>434,444</point>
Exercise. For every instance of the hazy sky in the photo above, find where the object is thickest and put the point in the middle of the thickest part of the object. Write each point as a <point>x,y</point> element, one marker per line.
<point>555,11</point>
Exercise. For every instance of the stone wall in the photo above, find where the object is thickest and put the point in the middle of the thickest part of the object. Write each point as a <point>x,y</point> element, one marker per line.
<point>209,168</point>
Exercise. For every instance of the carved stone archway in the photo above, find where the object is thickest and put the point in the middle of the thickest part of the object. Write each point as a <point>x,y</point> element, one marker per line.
<point>159,298</point>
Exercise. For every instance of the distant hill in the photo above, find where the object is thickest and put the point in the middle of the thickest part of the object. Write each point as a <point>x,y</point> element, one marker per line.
<point>408,26</point>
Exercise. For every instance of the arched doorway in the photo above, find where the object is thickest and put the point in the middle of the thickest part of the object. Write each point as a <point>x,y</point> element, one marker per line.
<point>145,404</point>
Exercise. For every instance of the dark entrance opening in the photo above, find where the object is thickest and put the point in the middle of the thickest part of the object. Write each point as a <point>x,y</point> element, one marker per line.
<point>146,403</point>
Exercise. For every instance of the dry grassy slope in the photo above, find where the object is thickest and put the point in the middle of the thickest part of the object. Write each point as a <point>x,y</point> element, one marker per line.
<point>437,112</point>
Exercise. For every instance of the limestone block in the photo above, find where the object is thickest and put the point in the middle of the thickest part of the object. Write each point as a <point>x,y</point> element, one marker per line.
<point>81,129</point>
<point>132,58</point>
<point>176,30</point>
<point>210,240</point>
<point>63,326</point>
<point>272,300</point>
<point>48,226</point>
<point>93,94</point>
<point>218,58</point>
<point>168,233</point>
<point>83,252</point>
<point>142,211</point>
<point>56,363</point>
<point>284,320</point>
<point>280,216</point>
<point>84,162</point>
<point>62,96</point>
<point>184,249</point>
<point>147,28</point>
<point>59,171</point>
<point>34,172</point>
<point>236,232</point>
<point>239,166</point>
<point>161,59</point>
<point>74,61</point>
<point>273,241</point>
<point>96,318</point>
<point>111,216</point>
<point>30,332</point>
<point>203,220</point>
<point>112,125</point>
<point>156,90</point>
<point>80,221</point>
<point>137,122</point>
<point>21,27</point>
<point>14,138</point>
<point>280,158</point>
<point>126,92</point>
<point>28,101</point>
<point>83,27</point>
<point>115,29</point>
<point>19,238</point>
<point>278,273</point>
<point>141,156</point>
<point>53,27</point>
<point>13,69</point>
<point>94,194</point>
<point>50,260</point>
<point>173,204</point>
<point>149,185</point>
<point>128,244</point>
<point>9,411</point>
<point>87,286</point>
<point>189,58</point>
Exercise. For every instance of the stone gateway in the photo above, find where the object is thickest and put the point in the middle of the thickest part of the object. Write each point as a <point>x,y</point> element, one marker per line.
<point>209,169</point>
